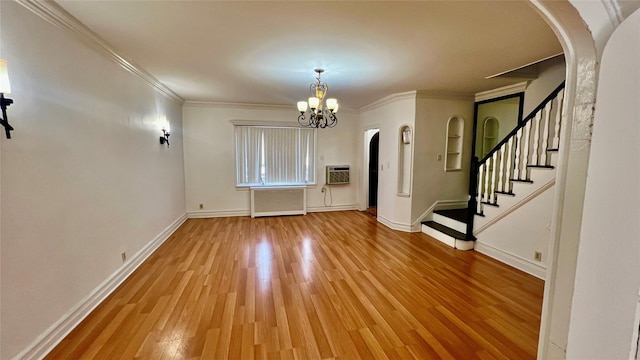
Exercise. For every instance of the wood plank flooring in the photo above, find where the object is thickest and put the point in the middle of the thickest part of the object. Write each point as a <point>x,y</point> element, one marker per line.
<point>334,285</point>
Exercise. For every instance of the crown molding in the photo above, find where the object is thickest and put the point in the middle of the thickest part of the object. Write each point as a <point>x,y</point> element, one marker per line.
<point>59,17</point>
<point>503,91</point>
<point>427,94</point>
<point>416,94</point>
<point>231,105</point>
<point>250,106</point>
<point>389,99</point>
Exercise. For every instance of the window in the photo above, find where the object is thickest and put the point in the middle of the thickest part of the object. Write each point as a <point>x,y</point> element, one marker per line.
<point>275,156</point>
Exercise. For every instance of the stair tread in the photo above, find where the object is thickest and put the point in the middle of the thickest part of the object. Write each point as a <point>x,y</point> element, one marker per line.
<point>455,214</point>
<point>522,181</point>
<point>447,230</point>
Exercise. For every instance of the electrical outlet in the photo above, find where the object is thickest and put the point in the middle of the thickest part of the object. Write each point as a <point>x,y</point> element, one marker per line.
<point>439,157</point>
<point>124,256</point>
<point>201,206</point>
<point>537,256</point>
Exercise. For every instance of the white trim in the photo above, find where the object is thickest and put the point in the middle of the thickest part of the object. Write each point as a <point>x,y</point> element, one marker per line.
<point>523,66</point>
<point>394,224</point>
<point>502,91</point>
<point>232,105</point>
<point>333,208</point>
<point>59,17</point>
<point>516,206</point>
<point>200,214</point>
<point>48,339</point>
<point>415,94</point>
<point>428,94</point>
<point>389,99</point>
<point>518,262</point>
<point>252,106</point>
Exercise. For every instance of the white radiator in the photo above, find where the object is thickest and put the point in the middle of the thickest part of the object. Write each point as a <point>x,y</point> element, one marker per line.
<point>272,201</point>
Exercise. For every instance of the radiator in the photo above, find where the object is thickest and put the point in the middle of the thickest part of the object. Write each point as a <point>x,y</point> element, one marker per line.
<point>272,201</point>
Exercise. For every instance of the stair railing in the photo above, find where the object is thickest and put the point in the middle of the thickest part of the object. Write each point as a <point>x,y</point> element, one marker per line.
<point>510,160</point>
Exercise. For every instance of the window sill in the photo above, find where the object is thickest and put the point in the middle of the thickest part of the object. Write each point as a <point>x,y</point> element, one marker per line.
<point>274,186</point>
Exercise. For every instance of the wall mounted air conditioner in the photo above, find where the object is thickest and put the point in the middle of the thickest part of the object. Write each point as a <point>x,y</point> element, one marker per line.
<point>337,174</point>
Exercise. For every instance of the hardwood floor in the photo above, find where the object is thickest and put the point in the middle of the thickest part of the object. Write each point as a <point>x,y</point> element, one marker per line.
<point>325,285</point>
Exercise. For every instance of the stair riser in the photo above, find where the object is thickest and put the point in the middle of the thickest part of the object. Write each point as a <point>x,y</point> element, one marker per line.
<point>448,240</point>
<point>450,223</point>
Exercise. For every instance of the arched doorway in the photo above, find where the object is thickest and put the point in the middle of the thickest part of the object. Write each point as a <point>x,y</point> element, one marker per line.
<point>374,150</point>
<point>580,88</point>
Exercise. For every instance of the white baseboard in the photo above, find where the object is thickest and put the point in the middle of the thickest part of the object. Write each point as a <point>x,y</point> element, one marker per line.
<point>333,208</point>
<point>395,225</point>
<point>516,261</point>
<point>46,341</point>
<point>200,214</point>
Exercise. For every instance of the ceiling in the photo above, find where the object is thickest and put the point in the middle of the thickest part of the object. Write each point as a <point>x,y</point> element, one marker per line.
<point>264,52</point>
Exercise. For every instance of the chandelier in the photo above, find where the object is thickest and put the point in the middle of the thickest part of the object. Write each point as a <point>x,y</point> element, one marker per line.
<point>319,115</point>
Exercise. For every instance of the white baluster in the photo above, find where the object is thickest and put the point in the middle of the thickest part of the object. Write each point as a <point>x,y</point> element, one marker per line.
<point>545,133</point>
<point>509,160</point>
<point>479,189</point>
<point>556,130</point>
<point>487,179</point>
<point>536,139</point>
<point>501,179</point>
<point>525,150</point>
<point>517,156</point>
<point>494,177</point>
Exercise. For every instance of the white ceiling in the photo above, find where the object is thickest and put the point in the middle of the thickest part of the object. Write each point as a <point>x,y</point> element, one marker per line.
<point>265,51</point>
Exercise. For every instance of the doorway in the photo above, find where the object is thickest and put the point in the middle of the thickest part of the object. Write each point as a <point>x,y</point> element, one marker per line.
<point>374,149</point>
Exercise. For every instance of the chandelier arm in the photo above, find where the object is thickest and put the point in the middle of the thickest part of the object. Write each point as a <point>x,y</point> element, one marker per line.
<point>334,119</point>
<point>301,120</point>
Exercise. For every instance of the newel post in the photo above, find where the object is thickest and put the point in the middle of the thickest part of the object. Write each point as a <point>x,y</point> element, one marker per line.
<point>473,196</point>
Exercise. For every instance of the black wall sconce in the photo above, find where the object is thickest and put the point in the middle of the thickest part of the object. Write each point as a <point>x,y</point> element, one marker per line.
<point>166,130</point>
<point>5,88</point>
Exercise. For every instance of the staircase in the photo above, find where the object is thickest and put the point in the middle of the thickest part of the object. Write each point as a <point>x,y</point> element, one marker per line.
<point>518,169</point>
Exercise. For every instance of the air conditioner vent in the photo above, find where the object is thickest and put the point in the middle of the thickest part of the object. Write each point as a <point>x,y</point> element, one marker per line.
<point>337,174</point>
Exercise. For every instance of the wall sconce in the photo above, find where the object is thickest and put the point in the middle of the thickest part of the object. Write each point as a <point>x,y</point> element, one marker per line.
<point>166,130</point>
<point>5,88</point>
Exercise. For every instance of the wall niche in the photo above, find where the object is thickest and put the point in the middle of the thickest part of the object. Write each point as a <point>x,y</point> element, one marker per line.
<point>454,141</point>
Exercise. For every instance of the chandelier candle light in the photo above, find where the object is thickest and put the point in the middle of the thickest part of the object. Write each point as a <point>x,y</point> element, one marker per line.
<point>320,115</point>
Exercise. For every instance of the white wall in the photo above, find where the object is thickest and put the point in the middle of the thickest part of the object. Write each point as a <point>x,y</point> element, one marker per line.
<point>389,115</point>
<point>431,182</point>
<point>210,158</point>
<point>551,74</point>
<point>515,238</point>
<point>84,177</point>
<point>608,267</point>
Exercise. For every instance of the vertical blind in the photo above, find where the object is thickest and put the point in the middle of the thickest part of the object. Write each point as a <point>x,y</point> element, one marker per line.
<point>275,156</point>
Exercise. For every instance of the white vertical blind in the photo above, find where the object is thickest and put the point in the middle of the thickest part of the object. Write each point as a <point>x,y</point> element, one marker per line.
<point>275,155</point>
